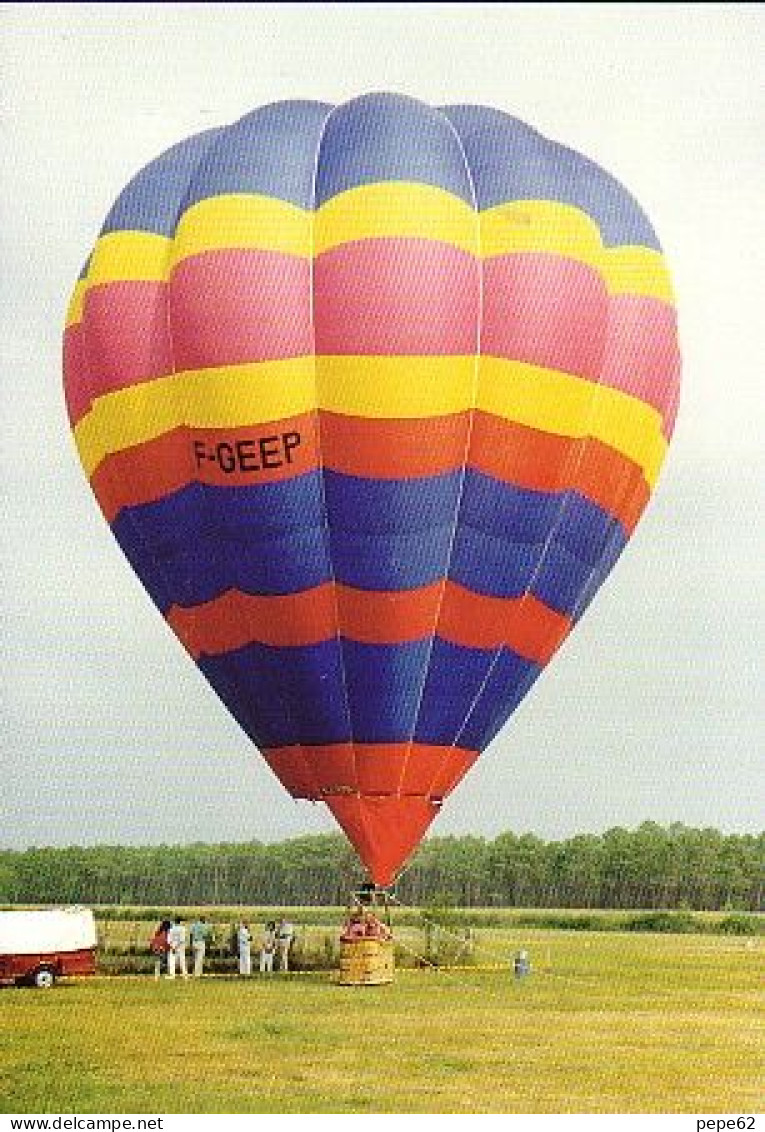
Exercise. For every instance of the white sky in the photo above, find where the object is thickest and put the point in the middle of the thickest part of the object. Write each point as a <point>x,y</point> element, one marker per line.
<point>654,708</point>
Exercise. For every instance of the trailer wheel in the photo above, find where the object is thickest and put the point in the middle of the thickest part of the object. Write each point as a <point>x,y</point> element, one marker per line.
<point>44,977</point>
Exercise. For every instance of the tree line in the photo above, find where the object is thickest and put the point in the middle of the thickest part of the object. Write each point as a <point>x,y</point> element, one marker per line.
<point>651,867</point>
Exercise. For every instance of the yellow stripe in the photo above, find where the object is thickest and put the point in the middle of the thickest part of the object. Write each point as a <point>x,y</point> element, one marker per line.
<point>375,388</point>
<point>396,208</point>
<point>371,211</point>
<point>565,405</point>
<point>390,387</point>
<point>563,229</point>
<point>129,256</point>
<point>74,310</point>
<point>540,226</point>
<point>633,270</point>
<point>243,221</point>
<point>212,398</point>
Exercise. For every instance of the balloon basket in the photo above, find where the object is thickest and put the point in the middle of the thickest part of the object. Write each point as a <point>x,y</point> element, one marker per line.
<point>365,962</point>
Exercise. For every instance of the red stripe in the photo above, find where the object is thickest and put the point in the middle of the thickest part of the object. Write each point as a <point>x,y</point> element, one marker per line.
<point>480,621</point>
<point>240,305</point>
<point>546,310</point>
<point>541,461</point>
<point>381,617</point>
<point>339,769</point>
<point>385,831</point>
<point>293,767</point>
<point>401,449</point>
<point>233,620</point>
<point>393,449</point>
<point>265,453</point>
<point>434,770</point>
<point>397,296</point>
<point>455,766</point>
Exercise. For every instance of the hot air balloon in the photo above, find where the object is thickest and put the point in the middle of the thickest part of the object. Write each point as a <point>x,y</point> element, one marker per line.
<point>372,396</point>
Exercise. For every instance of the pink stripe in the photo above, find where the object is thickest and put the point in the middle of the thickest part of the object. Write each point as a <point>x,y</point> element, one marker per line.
<point>240,305</point>
<point>642,356</point>
<point>75,375</point>
<point>397,296</point>
<point>546,310</point>
<point>125,335</point>
<point>670,415</point>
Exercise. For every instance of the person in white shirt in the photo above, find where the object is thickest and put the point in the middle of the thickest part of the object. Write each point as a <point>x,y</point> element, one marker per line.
<point>244,943</point>
<point>285,933</point>
<point>267,948</point>
<point>176,955</point>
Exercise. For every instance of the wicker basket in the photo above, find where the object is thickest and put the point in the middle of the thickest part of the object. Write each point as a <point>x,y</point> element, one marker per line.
<point>366,962</point>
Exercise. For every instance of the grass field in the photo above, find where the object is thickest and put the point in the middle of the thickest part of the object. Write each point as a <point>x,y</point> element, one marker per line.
<point>608,1022</point>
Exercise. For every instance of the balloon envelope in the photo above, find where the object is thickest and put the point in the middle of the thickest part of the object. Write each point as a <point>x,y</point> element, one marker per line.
<point>372,397</point>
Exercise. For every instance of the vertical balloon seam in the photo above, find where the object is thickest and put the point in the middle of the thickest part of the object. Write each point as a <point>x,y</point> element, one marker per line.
<point>463,474</point>
<point>309,782</point>
<point>479,360</point>
<point>580,447</point>
<point>499,649</point>
<point>320,449</point>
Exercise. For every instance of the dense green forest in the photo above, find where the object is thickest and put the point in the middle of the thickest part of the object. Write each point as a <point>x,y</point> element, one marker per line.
<point>652,866</point>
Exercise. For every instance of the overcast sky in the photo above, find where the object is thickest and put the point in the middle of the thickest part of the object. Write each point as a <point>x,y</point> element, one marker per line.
<point>654,708</point>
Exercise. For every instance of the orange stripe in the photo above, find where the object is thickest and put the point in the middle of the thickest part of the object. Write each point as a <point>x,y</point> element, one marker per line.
<point>294,770</point>
<point>265,453</point>
<point>472,620</point>
<point>388,617</point>
<point>541,461</point>
<point>234,620</point>
<point>393,449</point>
<point>480,621</point>
<point>345,769</point>
<point>382,449</point>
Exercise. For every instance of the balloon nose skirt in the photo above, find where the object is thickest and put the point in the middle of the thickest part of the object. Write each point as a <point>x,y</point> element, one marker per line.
<point>385,831</point>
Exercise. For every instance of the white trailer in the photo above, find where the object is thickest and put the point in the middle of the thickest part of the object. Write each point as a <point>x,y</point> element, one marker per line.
<point>36,947</point>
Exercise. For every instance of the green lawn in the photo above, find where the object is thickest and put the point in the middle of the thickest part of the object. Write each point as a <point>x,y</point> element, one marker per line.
<point>608,1022</point>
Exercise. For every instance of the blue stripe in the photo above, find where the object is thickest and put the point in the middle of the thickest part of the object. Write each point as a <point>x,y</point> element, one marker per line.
<point>454,679</point>
<point>383,535</point>
<point>384,683</point>
<point>510,161</point>
<point>378,506</point>
<point>505,511</point>
<point>271,151</point>
<point>490,565</point>
<point>609,558</point>
<point>151,202</point>
<point>297,694</point>
<point>378,137</point>
<point>282,696</point>
<point>389,137</point>
<point>510,679</point>
<point>526,516</point>
<point>390,562</point>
